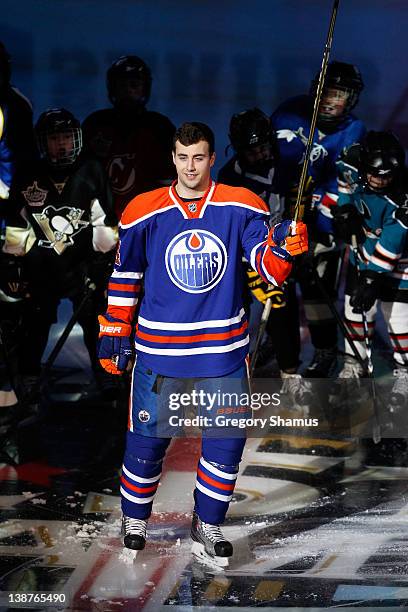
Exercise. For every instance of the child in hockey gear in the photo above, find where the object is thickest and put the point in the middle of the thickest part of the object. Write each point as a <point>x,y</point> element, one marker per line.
<point>255,165</point>
<point>372,180</point>
<point>61,221</point>
<point>127,137</point>
<point>336,128</point>
<point>178,239</point>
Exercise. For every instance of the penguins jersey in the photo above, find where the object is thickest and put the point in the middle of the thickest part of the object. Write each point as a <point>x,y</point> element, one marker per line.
<point>59,222</point>
<point>291,121</point>
<point>191,320</point>
<point>137,156</point>
<point>266,187</point>
<point>385,247</point>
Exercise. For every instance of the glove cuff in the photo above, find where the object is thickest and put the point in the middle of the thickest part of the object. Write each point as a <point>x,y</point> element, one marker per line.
<point>108,326</point>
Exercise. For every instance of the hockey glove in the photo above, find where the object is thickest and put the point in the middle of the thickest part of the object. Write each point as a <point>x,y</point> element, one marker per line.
<point>348,222</point>
<point>262,291</point>
<point>115,349</point>
<point>366,292</point>
<point>286,242</point>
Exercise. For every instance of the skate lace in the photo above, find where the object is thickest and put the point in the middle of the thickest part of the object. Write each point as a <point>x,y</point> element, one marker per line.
<point>134,526</point>
<point>401,381</point>
<point>212,532</point>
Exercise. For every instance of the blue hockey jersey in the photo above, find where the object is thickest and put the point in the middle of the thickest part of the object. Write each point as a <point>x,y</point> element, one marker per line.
<point>291,121</point>
<point>191,320</point>
<point>385,247</point>
<point>6,158</point>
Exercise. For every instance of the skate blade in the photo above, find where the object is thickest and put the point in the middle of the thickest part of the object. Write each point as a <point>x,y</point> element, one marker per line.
<point>217,563</point>
<point>128,556</point>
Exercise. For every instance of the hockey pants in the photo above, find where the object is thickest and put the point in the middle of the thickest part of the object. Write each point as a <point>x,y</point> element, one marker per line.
<point>218,465</point>
<point>394,305</point>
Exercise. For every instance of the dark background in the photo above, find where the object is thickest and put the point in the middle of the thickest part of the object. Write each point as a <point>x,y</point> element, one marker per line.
<point>209,58</point>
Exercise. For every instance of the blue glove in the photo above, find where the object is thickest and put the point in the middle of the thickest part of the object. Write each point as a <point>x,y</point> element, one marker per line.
<point>115,349</point>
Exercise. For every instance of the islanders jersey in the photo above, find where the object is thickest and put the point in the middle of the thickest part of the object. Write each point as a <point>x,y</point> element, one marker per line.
<point>191,320</point>
<point>385,247</point>
<point>291,121</point>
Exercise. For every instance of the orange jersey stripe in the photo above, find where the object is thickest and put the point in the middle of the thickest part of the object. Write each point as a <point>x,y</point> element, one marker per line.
<point>119,287</point>
<point>215,483</point>
<point>138,489</point>
<point>199,338</point>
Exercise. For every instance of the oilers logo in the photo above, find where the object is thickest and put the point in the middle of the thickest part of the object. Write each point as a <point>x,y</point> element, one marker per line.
<point>196,260</point>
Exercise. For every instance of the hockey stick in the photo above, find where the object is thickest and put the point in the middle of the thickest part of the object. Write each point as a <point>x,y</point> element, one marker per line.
<point>299,209</point>
<point>261,330</point>
<point>26,399</point>
<point>370,366</point>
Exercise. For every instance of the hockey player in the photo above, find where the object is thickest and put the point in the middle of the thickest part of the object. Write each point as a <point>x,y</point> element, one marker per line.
<point>187,241</point>
<point>61,222</point>
<point>133,143</point>
<point>336,128</point>
<point>372,186</point>
<point>255,166</point>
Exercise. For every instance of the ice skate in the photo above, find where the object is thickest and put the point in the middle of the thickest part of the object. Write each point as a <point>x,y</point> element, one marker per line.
<point>134,532</point>
<point>323,363</point>
<point>209,545</point>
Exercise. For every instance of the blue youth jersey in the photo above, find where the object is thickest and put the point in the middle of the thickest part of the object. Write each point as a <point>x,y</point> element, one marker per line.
<point>291,121</point>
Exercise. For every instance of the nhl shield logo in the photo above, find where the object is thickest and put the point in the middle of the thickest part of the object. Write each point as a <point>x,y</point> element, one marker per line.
<point>144,416</point>
<point>196,260</point>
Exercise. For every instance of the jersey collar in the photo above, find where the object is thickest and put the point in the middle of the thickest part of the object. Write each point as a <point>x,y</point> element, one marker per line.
<point>196,211</point>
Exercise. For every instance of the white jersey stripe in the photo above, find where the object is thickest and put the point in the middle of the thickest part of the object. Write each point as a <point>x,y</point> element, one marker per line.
<point>188,326</point>
<point>136,500</point>
<point>192,351</point>
<point>116,274</point>
<point>223,498</point>
<point>139,478</point>
<point>216,471</point>
<point>121,301</point>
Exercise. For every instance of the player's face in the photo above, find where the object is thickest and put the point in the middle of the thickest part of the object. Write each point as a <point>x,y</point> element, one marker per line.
<point>60,146</point>
<point>378,183</point>
<point>333,102</point>
<point>193,164</point>
<point>129,90</point>
<point>259,157</point>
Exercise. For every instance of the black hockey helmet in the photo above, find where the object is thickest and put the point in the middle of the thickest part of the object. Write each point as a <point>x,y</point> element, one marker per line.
<point>344,77</point>
<point>250,128</point>
<point>51,123</point>
<point>5,67</point>
<point>129,67</point>
<point>383,157</point>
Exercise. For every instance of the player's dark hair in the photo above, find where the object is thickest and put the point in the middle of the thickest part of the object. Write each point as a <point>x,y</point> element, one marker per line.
<point>193,132</point>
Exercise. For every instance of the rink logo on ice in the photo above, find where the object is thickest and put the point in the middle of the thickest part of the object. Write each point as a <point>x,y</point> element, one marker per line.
<point>196,260</point>
<point>144,416</point>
